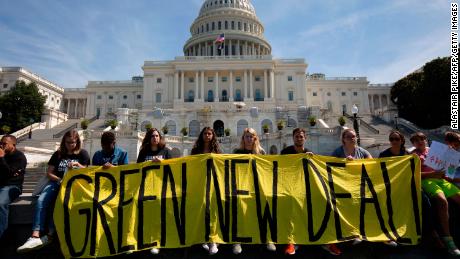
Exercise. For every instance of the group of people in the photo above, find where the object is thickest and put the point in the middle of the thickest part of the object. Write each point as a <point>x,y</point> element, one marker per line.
<point>436,187</point>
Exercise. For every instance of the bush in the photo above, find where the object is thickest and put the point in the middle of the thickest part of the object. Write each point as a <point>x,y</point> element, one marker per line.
<point>312,120</point>
<point>84,123</point>
<point>341,120</point>
<point>184,131</point>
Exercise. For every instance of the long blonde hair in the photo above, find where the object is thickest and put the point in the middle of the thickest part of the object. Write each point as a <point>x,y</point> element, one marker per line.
<point>256,148</point>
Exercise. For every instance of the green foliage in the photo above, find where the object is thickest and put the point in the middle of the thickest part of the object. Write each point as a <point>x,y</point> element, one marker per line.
<point>265,127</point>
<point>113,123</point>
<point>423,97</point>
<point>227,132</point>
<point>312,120</point>
<point>148,126</point>
<point>184,131</point>
<point>21,105</point>
<point>84,123</point>
<point>165,129</point>
<point>341,120</point>
<point>5,129</point>
<point>281,124</point>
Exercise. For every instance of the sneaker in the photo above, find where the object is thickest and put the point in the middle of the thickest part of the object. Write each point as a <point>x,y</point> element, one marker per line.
<point>451,247</point>
<point>155,251</point>
<point>237,249</point>
<point>213,249</point>
<point>271,247</point>
<point>290,249</point>
<point>391,243</point>
<point>33,243</point>
<point>332,249</point>
<point>205,246</point>
<point>357,241</point>
<point>129,252</point>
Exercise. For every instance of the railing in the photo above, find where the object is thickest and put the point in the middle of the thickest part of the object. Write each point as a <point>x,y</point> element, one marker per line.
<point>23,134</point>
<point>381,85</point>
<point>363,123</point>
<point>199,58</point>
<point>62,132</point>
<point>92,119</point>
<point>338,78</point>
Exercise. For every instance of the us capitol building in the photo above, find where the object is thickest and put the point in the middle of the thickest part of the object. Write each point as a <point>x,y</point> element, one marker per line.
<point>234,86</point>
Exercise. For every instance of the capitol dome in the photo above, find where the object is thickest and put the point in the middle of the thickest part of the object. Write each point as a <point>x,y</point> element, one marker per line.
<point>237,20</point>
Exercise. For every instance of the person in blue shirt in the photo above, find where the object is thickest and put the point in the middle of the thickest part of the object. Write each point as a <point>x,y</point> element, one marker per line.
<point>111,154</point>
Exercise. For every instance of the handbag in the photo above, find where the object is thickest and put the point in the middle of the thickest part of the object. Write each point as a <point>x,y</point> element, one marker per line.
<point>40,185</point>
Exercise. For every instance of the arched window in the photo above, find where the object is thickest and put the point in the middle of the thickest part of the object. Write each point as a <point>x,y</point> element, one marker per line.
<point>210,96</point>
<point>219,25</point>
<point>224,96</point>
<point>213,26</point>
<point>194,128</point>
<point>171,127</point>
<point>240,126</point>
<point>226,25</point>
<point>190,96</point>
<point>233,25</point>
<point>238,97</point>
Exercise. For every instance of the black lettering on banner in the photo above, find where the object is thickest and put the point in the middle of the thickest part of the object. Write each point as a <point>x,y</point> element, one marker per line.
<point>121,204</point>
<point>312,236</point>
<point>87,212</point>
<point>267,218</point>
<point>178,216</point>
<point>223,214</point>
<point>366,180</point>
<point>415,203</point>
<point>140,205</point>
<point>99,210</point>
<point>235,193</point>
<point>334,197</point>
<point>391,223</point>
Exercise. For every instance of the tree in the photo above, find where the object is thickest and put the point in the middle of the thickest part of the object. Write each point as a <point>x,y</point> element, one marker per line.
<point>21,105</point>
<point>423,96</point>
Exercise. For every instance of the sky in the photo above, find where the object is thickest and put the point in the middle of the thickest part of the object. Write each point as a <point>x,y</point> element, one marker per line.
<point>73,42</point>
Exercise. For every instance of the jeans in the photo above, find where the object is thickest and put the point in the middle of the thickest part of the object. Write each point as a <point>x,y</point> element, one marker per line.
<point>44,208</point>
<point>7,195</point>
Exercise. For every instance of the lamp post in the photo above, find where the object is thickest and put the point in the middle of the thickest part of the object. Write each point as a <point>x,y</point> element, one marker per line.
<point>396,122</point>
<point>30,129</point>
<point>354,111</point>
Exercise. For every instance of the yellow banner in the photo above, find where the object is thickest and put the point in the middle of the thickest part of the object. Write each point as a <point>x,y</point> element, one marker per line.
<point>301,199</point>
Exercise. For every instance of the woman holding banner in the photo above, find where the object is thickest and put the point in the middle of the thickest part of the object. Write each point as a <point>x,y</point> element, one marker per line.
<point>250,144</point>
<point>207,143</point>
<point>153,147</point>
<point>434,183</point>
<point>397,148</point>
<point>70,155</point>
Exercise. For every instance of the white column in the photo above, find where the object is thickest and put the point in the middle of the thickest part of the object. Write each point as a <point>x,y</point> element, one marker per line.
<point>272,84</point>
<point>76,108</point>
<point>230,48</point>
<point>230,99</point>
<point>182,75</point>
<point>196,86</point>
<point>245,95</point>
<point>238,48</point>
<point>245,51</point>
<point>214,48</point>
<point>388,102</point>
<point>251,85</point>
<point>371,104</point>
<point>202,85</point>
<point>216,95</point>
<point>68,107</point>
<point>380,103</point>
<point>176,84</point>
<point>266,85</point>
<point>253,49</point>
<point>87,106</point>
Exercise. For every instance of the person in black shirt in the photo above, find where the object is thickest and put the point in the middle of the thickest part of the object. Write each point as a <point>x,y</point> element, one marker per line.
<point>250,143</point>
<point>299,138</point>
<point>153,147</point>
<point>70,155</point>
<point>12,168</point>
<point>206,142</point>
<point>397,148</point>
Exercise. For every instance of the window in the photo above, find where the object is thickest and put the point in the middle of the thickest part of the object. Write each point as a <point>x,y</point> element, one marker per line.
<point>245,27</point>
<point>124,105</point>
<point>238,96</point>
<point>159,80</point>
<point>99,97</point>
<point>355,93</point>
<point>328,94</point>
<point>210,79</point>
<point>315,94</point>
<point>289,78</point>
<point>344,94</point>
<point>125,97</point>
<point>110,97</point>
<point>191,79</point>
<point>5,85</point>
<point>224,79</point>
<point>207,27</point>
<point>158,97</point>
<point>238,79</point>
<point>139,96</point>
<point>226,25</point>
<point>210,96</point>
<point>291,95</point>
<point>213,26</point>
<point>258,95</point>
<point>239,26</point>
<point>257,78</point>
<point>219,25</point>
<point>233,25</point>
